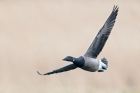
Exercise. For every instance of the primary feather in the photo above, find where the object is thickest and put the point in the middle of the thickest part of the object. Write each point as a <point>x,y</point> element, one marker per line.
<point>102,36</point>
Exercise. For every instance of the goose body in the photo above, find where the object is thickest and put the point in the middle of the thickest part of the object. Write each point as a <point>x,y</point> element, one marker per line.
<point>91,64</point>
<point>89,61</point>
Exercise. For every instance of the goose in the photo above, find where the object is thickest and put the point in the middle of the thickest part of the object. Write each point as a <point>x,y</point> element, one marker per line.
<point>89,61</point>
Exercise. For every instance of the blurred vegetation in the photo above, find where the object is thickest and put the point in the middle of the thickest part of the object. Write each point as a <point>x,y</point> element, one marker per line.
<point>37,34</point>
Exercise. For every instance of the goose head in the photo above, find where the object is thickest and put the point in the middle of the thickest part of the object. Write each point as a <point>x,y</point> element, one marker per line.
<point>69,58</point>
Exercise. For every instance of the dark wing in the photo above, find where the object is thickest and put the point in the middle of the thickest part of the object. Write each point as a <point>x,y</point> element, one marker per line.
<point>62,69</point>
<point>102,36</point>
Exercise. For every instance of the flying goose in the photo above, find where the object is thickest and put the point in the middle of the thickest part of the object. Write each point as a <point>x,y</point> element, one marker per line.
<point>89,61</point>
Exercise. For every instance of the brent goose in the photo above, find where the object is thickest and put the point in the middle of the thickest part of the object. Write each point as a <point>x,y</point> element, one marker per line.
<point>89,61</point>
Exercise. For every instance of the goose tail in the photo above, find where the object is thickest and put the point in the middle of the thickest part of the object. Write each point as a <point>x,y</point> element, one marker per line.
<point>104,60</point>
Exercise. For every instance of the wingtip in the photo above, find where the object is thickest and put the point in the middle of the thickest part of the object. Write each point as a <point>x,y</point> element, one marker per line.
<point>115,8</point>
<point>40,73</point>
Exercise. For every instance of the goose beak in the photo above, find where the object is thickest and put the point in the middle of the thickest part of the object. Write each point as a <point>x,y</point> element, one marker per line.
<point>64,59</point>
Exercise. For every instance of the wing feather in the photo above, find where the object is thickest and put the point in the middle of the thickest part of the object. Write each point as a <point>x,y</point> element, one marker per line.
<point>62,69</point>
<point>102,36</point>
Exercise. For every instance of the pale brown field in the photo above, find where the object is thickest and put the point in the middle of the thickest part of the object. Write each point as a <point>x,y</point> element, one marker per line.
<point>37,34</point>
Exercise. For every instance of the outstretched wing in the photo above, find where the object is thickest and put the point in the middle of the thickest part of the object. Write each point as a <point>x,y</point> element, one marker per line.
<point>102,36</point>
<point>62,69</point>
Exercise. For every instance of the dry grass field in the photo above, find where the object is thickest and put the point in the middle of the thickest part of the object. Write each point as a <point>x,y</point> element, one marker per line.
<point>38,34</point>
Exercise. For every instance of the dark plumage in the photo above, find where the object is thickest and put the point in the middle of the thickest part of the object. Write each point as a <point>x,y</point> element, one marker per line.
<point>62,69</point>
<point>79,62</point>
<point>100,40</point>
<point>88,61</point>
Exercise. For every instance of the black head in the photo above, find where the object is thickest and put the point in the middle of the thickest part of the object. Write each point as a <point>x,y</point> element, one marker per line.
<point>69,58</point>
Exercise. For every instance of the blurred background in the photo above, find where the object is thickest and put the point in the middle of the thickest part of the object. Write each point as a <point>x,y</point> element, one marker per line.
<point>35,35</point>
